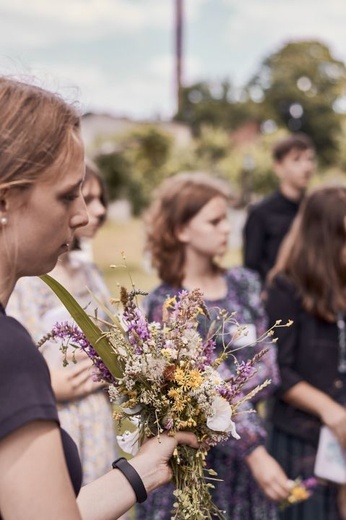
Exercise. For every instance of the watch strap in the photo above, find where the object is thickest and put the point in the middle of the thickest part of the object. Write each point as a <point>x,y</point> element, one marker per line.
<point>132,476</point>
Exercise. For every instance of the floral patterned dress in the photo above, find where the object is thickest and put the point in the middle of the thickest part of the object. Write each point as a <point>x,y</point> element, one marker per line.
<point>238,494</point>
<point>87,419</point>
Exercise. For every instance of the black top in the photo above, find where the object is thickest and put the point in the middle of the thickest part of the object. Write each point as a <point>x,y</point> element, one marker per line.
<point>266,225</point>
<point>307,351</point>
<point>25,389</point>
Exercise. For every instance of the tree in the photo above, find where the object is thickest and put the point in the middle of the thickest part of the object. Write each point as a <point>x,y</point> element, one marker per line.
<point>137,165</point>
<point>299,87</point>
<point>211,104</point>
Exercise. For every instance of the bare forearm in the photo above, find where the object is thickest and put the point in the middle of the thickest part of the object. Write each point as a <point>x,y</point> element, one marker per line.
<point>308,398</point>
<point>111,496</point>
<point>107,498</point>
<point>312,400</point>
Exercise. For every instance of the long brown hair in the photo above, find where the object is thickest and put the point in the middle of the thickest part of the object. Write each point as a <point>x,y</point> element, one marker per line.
<point>175,203</point>
<point>37,129</point>
<point>313,254</point>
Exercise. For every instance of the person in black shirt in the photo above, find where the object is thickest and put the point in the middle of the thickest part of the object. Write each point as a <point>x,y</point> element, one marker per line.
<point>269,220</point>
<point>308,286</point>
<point>42,169</point>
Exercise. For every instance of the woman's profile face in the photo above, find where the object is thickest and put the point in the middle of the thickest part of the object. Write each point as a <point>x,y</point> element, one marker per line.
<point>92,193</point>
<point>42,220</point>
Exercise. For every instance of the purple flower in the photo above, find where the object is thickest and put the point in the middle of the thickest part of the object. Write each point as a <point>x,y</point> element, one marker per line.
<point>72,334</point>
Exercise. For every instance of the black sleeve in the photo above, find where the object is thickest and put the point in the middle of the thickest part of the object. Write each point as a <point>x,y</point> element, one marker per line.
<point>282,304</point>
<point>254,242</point>
<point>25,389</point>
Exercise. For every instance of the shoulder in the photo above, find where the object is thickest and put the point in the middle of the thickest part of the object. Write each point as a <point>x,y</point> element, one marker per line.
<point>17,349</point>
<point>282,297</point>
<point>163,291</point>
<point>29,293</point>
<point>153,302</point>
<point>14,337</point>
<point>264,205</point>
<point>29,285</point>
<point>243,277</point>
<point>283,284</point>
<point>25,389</point>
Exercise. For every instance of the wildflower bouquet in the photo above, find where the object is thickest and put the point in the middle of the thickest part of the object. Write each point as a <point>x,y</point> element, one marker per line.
<point>165,379</point>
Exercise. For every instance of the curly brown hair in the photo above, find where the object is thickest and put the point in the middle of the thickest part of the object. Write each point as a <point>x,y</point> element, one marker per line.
<point>175,203</point>
<point>313,254</point>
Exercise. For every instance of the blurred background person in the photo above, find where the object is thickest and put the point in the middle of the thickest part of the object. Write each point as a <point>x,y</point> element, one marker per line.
<point>187,229</point>
<point>83,404</point>
<point>269,221</point>
<point>308,286</point>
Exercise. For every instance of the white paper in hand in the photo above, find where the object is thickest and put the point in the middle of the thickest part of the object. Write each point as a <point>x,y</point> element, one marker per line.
<point>330,461</point>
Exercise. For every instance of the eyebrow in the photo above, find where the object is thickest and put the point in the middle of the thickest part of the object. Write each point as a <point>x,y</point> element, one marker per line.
<point>74,186</point>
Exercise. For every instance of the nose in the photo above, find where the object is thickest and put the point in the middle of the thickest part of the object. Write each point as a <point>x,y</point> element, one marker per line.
<point>227,226</point>
<point>99,209</point>
<point>80,217</point>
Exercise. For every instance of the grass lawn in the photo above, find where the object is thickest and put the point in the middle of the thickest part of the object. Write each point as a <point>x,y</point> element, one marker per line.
<point>128,237</point>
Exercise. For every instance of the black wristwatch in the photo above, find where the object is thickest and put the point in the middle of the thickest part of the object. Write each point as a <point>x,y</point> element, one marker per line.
<point>132,476</point>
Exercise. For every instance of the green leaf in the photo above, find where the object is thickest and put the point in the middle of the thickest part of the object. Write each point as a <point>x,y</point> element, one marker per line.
<point>93,333</point>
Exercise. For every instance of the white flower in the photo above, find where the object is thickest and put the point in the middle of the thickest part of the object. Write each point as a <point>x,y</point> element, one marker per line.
<point>153,368</point>
<point>221,420</point>
<point>213,377</point>
<point>128,441</point>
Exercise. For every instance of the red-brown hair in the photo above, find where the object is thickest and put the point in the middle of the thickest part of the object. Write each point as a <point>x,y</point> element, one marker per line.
<point>313,254</point>
<point>175,203</point>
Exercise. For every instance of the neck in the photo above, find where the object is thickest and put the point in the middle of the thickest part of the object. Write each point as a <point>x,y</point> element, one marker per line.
<point>291,193</point>
<point>6,291</point>
<point>200,274</point>
<point>197,267</point>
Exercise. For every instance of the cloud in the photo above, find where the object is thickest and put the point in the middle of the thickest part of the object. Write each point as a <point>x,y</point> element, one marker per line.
<point>39,22</point>
<point>163,67</point>
<point>257,29</point>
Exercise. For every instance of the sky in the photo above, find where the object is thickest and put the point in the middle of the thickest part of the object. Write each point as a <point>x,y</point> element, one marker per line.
<point>117,56</point>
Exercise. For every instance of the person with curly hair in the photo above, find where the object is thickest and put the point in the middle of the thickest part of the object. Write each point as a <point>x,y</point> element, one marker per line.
<point>187,232</point>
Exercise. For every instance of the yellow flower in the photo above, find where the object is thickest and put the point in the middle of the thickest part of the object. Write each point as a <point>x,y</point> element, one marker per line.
<point>178,405</point>
<point>173,393</point>
<point>298,493</point>
<point>189,379</point>
<point>179,375</point>
<point>170,302</point>
<point>195,379</point>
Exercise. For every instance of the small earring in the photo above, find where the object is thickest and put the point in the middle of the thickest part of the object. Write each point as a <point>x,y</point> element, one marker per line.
<point>3,221</point>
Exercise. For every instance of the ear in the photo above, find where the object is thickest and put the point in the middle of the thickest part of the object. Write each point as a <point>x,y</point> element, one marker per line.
<point>183,234</point>
<point>277,168</point>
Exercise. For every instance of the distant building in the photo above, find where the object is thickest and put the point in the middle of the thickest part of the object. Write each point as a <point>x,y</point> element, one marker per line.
<point>103,125</point>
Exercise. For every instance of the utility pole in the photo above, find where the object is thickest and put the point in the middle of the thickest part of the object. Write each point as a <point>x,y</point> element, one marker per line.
<point>179,50</point>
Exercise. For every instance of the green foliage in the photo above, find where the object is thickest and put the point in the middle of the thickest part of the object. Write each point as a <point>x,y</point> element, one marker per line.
<point>212,105</point>
<point>137,166</point>
<point>298,87</point>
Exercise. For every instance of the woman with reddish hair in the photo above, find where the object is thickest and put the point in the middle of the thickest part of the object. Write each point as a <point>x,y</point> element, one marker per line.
<point>187,233</point>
